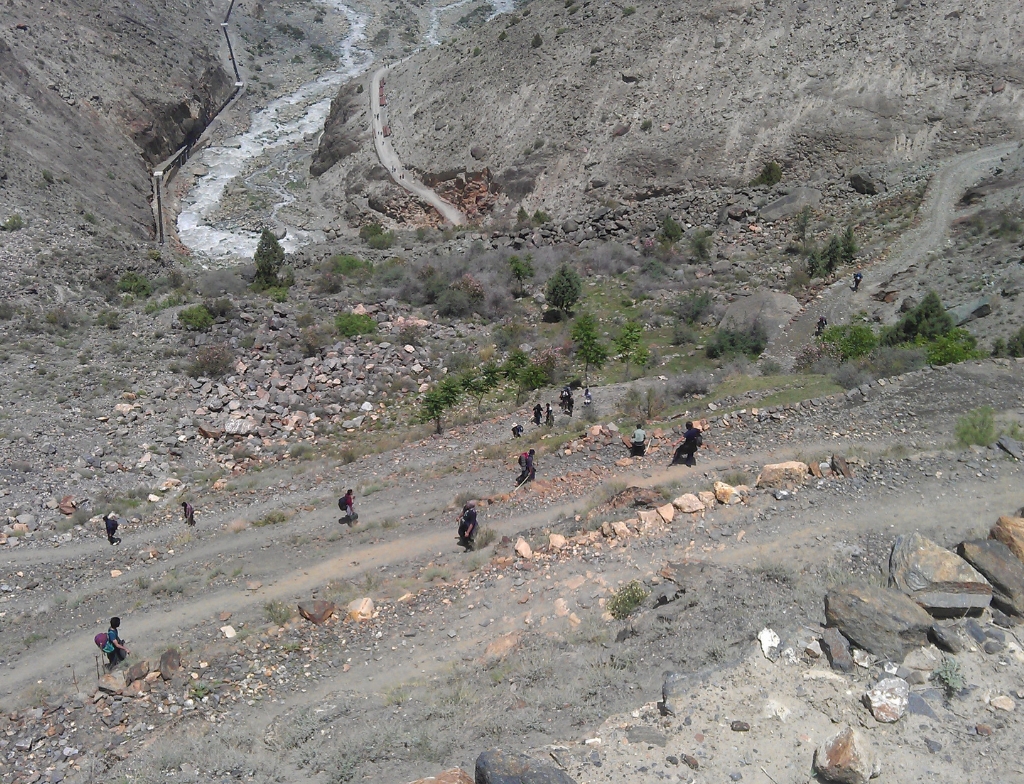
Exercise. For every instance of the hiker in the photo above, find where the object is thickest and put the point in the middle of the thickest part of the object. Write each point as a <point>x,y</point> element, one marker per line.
<point>549,416</point>
<point>347,505</point>
<point>111,522</point>
<point>189,513</point>
<point>526,464</point>
<point>587,400</point>
<point>113,646</point>
<point>467,525</point>
<point>638,441</point>
<point>686,450</point>
<point>564,397</point>
<point>857,278</point>
<point>569,405</point>
<point>538,412</point>
<point>821,326</point>
<point>517,430</point>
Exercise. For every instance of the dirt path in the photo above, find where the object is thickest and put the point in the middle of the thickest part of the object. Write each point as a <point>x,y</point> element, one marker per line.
<point>936,214</point>
<point>390,161</point>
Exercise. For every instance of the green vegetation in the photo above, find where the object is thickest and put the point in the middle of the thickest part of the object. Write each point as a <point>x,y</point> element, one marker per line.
<point>630,346</point>
<point>350,266</point>
<point>477,382</point>
<point>976,427</point>
<point>1015,346</point>
<point>271,518</point>
<point>925,322</point>
<point>269,258</point>
<point>646,125</point>
<point>564,288</point>
<point>196,318</point>
<point>110,319</point>
<point>212,362</point>
<point>135,284</point>
<point>626,600</point>
<point>590,349</point>
<point>438,401</point>
<point>850,341</point>
<point>671,231</point>
<point>957,345</point>
<point>726,343</point>
<point>537,41</point>
<point>277,612</point>
<point>700,244</point>
<point>629,10</point>
<point>522,270</point>
<point>13,223</point>
<point>949,674</point>
<point>693,307</point>
<point>351,324</point>
<point>373,234</point>
<point>771,174</point>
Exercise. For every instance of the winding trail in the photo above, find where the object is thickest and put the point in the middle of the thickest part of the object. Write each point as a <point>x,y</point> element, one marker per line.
<point>390,161</point>
<point>936,214</point>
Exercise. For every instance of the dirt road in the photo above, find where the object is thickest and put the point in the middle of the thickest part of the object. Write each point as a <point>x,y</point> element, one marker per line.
<point>389,158</point>
<point>936,214</point>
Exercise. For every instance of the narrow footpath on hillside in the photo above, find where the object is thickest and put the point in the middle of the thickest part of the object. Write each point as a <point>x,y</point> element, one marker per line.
<point>936,214</point>
<point>389,158</point>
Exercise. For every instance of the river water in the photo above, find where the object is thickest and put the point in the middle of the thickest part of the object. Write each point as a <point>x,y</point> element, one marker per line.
<point>283,124</point>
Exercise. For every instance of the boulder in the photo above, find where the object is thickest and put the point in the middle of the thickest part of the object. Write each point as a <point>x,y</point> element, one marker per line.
<point>771,309</point>
<point>67,505</point>
<point>316,611</point>
<point>495,766</point>
<point>1011,446</point>
<point>1010,531</point>
<point>726,494</point>
<point>846,757</point>
<point>881,621</point>
<point>688,503</point>
<point>863,184</point>
<point>1001,568</point>
<point>137,672</point>
<point>790,204</point>
<point>360,609</point>
<point>940,581</point>
<point>523,549</point>
<point>170,663</point>
<point>707,497</point>
<point>209,431</point>
<point>667,512</point>
<point>969,311</point>
<point>840,467</point>
<point>453,776</point>
<point>887,699</point>
<point>781,474</point>
<point>110,684</point>
<point>556,542</point>
<point>837,649</point>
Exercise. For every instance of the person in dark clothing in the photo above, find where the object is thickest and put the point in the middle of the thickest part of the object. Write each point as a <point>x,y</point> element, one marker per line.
<point>526,464</point>
<point>118,652</point>
<point>347,505</point>
<point>587,399</point>
<point>549,416</point>
<point>111,522</point>
<point>189,513</point>
<point>467,525</point>
<point>517,430</point>
<point>857,278</point>
<point>686,451</point>
<point>569,404</point>
<point>821,326</point>
<point>538,413</point>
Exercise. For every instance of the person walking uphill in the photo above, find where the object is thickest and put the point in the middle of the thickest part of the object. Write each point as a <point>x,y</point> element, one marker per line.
<point>467,525</point>
<point>188,512</point>
<point>111,523</point>
<point>528,473</point>
<point>538,413</point>
<point>686,451</point>
<point>112,644</point>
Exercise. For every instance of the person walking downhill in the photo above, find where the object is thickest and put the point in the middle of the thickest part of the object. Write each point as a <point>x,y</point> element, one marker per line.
<point>528,472</point>
<point>188,512</point>
<point>111,523</point>
<point>857,278</point>
<point>549,416</point>
<point>686,450</point>
<point>467,525</point>
<point>538,413</point>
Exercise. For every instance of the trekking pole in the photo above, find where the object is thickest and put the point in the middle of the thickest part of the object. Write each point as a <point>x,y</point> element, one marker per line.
<point>97,659</point>
<point>73,677</point>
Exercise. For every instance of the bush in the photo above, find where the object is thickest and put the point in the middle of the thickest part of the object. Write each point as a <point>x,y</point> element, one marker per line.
<point>196,318</point>
<point>976,427</point>
<point>694,383</point>
<point>683,333</point>
<point>700,244</point>
<point>885,361</point>
<point>315,338</point>
<point>851,340</point>
<point>626,600</point>
<point>135,284</point>
<point>221,308</point>
<point>7,311</point>
<point>958,345</point>
<point>1015,345</point>
<point>694,306</point>
<point>350,266</point>
<point>381,241</point>
<point>13,223</point>
<point>351,324</point>
<point>61,317</point>
<point>537,41</point>
<point>771,174</point>
<point>646,125</point>
<point>927,321</point>
<point>564,288</point>
<point>212,362</point>
<point>851,375</point>
<point>727,343</point>
<point>454,303</point>
<point>671,231</point>
<point>110,319</point>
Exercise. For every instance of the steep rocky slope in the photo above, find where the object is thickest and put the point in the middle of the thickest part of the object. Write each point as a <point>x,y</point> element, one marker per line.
<point>568,102</point>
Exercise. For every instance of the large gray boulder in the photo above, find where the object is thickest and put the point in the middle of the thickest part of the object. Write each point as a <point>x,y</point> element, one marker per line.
<point>881,621</point>
<point>969,311</point>
<point>940,581</point>
<point>790,204</point>
<point>771,309</point>
<point>495,766</point>
<point>1001,568</point>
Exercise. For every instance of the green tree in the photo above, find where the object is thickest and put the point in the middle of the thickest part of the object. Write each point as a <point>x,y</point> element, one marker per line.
<point>479,381</point>
<point>438,401</point>
<point>957,345</point>
<point>671,231</point>
<point>1015,345</point>
<point>564,288</point>
<point>589,347</point>
<point>700,244</point>
<point>849,245</point>
<point>833,256</point>
<point>521,269</point>
<point>268,259</point>
<point>927,321</point>
<point>630,347</point>
<point>531,377</point>
<point>803,223</point>
<point>851,340</point>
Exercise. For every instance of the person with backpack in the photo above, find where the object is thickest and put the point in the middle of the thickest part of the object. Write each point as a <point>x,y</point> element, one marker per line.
<point>347,505</point>
<point>517,430</point>
<point>587,399</point>
<point>538,413</point>
<point>111,523</point>
<point>467,525</point>
<point>112,645</point>
<point>821,326</point>
<point>188,513</point>
<point>549,417</point>
<point>857,278</point>
<point>528,472</point>
<point>638,441</point>
<point>569,404</point>
<point>686,451</point>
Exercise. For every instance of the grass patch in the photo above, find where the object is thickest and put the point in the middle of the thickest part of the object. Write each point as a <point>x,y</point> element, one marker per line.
<point>627,599</point>
<point>976,427</point>
<point>277,612</point>
<point>432,573</point>
<point>271,518</point>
